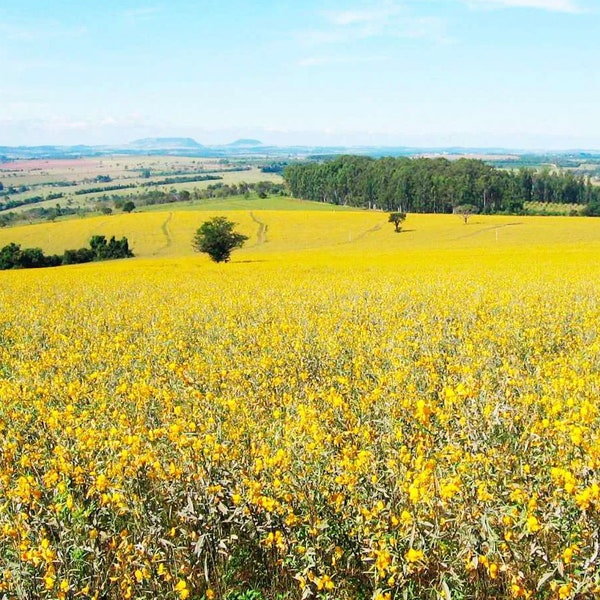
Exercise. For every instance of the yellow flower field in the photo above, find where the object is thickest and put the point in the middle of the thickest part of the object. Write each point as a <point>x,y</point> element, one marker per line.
<point>340,412</point>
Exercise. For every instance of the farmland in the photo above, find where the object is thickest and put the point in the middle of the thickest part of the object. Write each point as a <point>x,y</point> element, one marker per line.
<point>84,183</point>
<point>340,412</point>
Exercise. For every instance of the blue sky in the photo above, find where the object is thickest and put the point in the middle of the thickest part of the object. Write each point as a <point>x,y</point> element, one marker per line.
<point>511,73</point>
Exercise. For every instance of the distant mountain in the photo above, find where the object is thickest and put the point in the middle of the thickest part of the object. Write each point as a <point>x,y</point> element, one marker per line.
<point>165,144</point>
<point>246,147</point>
<point>245,143</point>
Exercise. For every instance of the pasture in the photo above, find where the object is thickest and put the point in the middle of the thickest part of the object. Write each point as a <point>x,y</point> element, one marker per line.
<point>340,412</point>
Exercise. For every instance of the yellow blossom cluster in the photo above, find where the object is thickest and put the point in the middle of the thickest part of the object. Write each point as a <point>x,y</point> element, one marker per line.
<point>320,424</point>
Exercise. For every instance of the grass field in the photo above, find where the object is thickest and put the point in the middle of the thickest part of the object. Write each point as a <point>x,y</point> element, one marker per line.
<point>240,203</point>
<point>340,412</point>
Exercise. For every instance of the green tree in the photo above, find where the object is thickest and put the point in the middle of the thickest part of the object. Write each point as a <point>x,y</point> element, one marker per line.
<point>10,256</point>
<point>262,189</point>
<point>78,256</point>
<point>107,250</point>
<point>397,218</point>
<point>128,206</point>
<point>32,258</point>
<point>217,239</point>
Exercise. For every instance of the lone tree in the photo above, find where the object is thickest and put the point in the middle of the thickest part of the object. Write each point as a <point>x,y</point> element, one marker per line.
<point>464,211</point>
<point>128,206</point>
<point>397,218</point>
<point>217,239</point>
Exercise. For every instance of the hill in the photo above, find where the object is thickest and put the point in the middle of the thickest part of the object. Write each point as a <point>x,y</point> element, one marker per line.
<point>245,143</point>
<point>310,230</point>
<point>161,143</point>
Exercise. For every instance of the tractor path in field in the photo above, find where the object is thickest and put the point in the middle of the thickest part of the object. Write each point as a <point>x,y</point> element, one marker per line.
<point>165,229</point>
<point>474,233</point>
<point>261,234</point>
<point>360,236</point>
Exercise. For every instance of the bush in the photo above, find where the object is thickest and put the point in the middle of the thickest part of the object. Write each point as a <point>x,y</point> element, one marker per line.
<point>9,256</point>
<point>103,250</point>
<point>13,257</point>
<point>591,210</point>
<point>32,258</point>
<point>79,256</point>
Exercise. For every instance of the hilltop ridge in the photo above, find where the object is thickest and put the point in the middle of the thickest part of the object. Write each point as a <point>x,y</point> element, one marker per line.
<point>166,143</point>
<point>245,142</point>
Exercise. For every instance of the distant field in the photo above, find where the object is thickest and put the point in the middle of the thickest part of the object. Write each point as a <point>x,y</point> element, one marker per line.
<point>293,225</point>
<point>36,171</point>
<point>479,156</point>
<point>43,177</point>
<point>168,232</point>
<point>253,203</point>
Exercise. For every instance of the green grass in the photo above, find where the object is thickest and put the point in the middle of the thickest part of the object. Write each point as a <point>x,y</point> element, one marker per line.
<point>248,204</point>
<point>237,203</point>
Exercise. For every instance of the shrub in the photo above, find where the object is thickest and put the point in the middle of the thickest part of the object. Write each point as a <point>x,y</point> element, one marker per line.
<point>13,257</point>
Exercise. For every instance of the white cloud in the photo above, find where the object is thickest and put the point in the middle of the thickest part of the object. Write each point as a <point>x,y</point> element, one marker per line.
<point>55,129</point>
<point>318,37</point>
<point>318,61</point>
<point>398,18</point>
<point>40,31</point>
<point>21,109</point>
<point>376,16</point>
<point>566,6</point>
<point>140,14</point>
<point>378,19</point>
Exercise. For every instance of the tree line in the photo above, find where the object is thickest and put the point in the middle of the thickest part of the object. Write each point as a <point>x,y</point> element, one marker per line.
<point>12,256</point>
<point>10,204</point>
<point>212,191</point>
<point>143,198</point>
<point>434,185</point>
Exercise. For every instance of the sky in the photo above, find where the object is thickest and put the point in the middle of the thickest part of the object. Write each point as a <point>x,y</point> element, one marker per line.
<point>426,73</point>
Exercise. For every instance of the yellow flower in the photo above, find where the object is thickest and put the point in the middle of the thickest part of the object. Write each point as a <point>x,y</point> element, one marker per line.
<point>568,554</point>
<point>182,590</point>
<point>324,583</point>
<point>533,525</point>
<point>564,591</point>
<point>413,555</point>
